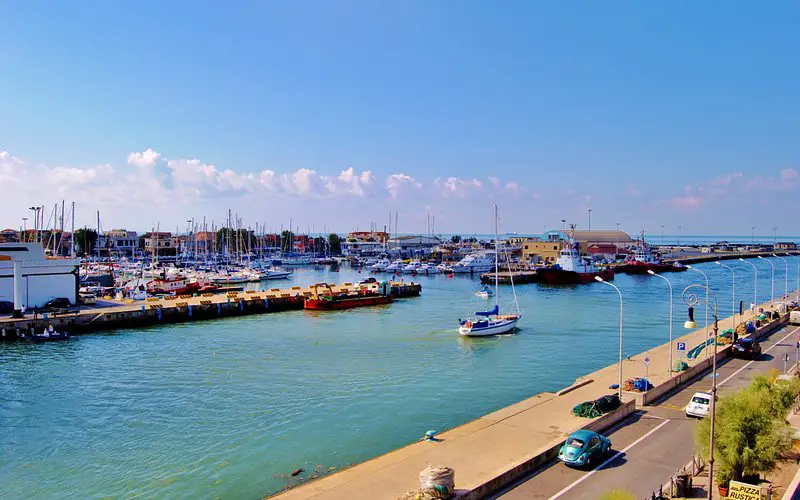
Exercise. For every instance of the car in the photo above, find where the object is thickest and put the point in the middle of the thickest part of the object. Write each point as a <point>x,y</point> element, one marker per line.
<point>699,406</point>
<point>368,281</point>
<point>58,303</point>
<point>88,298</point>
<point>6,307</point>
<point>746,348</point>
<point>583,448</point>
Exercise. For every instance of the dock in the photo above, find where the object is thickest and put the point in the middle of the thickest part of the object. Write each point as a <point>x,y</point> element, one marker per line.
<point>506,277</point>
<point>110,314</point>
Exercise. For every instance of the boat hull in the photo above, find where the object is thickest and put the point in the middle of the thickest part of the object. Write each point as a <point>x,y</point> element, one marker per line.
<point>493,328</point>
<point>562,277</point>
<point>346,303</point>
<point>644,267</point>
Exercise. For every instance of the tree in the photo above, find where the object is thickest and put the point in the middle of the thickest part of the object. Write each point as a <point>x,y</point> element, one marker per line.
<point>455,239</point>
<point>287,241</point>
<point>617,495</point>
<point>86,240</point>
<point>751,431</point>
<point>335,244</point>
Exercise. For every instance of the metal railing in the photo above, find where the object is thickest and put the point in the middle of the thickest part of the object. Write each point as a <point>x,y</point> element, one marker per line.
<point>667,490</point>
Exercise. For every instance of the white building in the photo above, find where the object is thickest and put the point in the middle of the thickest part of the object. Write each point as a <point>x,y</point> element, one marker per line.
<point>118,241</point>
<point>29,279</point>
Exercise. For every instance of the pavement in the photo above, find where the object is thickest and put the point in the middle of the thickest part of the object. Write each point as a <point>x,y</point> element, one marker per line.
<point>493,445</point>
<point>656,441</point>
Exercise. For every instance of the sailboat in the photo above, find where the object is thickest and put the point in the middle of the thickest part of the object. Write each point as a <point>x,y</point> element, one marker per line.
<point>485,323</point>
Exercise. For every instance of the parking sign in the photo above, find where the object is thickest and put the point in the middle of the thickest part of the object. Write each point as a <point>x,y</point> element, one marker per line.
<point>681,346</point>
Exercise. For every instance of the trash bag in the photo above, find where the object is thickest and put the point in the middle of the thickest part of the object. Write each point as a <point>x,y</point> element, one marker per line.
<point>607,403</point>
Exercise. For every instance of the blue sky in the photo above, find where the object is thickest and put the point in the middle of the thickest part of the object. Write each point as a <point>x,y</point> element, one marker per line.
<point>679,113</point>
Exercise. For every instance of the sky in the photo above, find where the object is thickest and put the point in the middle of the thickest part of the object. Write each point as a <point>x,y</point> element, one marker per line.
<point>334,114</point>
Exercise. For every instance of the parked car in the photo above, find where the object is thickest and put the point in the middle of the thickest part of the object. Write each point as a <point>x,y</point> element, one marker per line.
<point>6,307</point>
<point>58,303</point>
<point>699,406</point>
<point>368,281</point>
<point>88,298</point>
<point>583,448</point>
<point>746,348</point>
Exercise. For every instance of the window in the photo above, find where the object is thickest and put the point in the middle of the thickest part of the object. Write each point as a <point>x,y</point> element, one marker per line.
<point>701,400</point>
<point>575,443</point>
<point>594,441</point>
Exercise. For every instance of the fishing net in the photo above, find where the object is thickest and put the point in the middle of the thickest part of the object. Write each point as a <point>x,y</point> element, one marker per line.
<point>588,409</point>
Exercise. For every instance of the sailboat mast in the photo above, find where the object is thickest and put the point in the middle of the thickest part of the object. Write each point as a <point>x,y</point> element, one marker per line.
<point>496,260</point>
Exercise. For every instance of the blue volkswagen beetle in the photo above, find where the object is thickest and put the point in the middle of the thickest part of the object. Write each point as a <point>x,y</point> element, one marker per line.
<point>583,448</point>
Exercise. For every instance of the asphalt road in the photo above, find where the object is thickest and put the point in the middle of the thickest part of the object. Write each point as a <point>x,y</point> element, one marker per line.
<point>655,442</point>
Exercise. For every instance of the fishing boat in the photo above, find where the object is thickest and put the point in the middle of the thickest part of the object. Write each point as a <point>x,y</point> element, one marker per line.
<point>174,286</point>
<point>642,260</point>
<point>571,269</point>
<point>324,298</point>
<point>486,323</point>
<point>49,334</point>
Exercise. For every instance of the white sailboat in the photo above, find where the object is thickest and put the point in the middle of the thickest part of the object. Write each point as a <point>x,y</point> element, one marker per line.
<point>485,323</point>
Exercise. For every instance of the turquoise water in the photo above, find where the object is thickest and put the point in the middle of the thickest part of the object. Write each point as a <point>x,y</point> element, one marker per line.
<point>228,408</point>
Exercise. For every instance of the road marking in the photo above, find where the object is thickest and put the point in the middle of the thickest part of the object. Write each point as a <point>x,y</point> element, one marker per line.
<point>616,456</point>
<point>737,372</point>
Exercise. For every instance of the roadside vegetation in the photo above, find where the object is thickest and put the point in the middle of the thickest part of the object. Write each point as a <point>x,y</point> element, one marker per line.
<point>751,431</point>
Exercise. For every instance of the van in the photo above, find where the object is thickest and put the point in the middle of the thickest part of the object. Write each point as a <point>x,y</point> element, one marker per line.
<point>794,317</point>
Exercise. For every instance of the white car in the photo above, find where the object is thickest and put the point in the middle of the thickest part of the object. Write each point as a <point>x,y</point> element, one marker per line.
<point>699,406</point>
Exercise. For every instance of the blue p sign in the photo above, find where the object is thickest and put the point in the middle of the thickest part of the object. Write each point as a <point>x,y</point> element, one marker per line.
<point>681,346</point>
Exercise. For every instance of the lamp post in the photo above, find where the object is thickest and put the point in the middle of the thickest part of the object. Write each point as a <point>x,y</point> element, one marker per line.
<point>786,285</point>
<point>691,300</point>
<point>733,293</point>
<point>601,280</point>
<point>669,284</point>
<point>707,288</point>
<point>755,287</point>
<point>772,292</point>
<point>24,228</point>
<point>590,219</point>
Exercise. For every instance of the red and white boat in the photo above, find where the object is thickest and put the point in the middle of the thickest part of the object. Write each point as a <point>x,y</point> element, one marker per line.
<point>172,286</point>
<point>571,269</point>
<point>642,260</point>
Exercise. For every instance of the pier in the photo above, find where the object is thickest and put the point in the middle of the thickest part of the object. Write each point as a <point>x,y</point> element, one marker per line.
<point>498,448</point>
<point>114,314</point>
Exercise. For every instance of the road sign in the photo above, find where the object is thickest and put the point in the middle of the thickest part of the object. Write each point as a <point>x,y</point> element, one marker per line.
<point>681,346</point>
<point>646,361</point>
<point>786,356</point>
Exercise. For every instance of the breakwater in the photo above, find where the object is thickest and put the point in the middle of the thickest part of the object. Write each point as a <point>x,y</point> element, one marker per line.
<point>113,314</point>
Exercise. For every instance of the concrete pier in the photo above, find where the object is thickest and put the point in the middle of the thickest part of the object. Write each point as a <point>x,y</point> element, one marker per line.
<point>113,314</point>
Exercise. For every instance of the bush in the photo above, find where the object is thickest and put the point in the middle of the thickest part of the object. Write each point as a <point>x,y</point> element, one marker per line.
<point>617,495</point>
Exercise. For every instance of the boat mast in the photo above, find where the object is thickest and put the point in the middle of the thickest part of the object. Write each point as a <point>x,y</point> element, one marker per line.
<point>496,260</point>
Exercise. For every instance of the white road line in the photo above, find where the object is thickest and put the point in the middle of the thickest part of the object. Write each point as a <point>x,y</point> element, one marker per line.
<point>616,456</point>
<point>773,346</point>
<point>620,453</point>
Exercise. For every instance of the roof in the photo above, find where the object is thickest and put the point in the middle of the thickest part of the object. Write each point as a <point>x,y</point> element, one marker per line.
<point>584,434</point>
<point>602,235</point>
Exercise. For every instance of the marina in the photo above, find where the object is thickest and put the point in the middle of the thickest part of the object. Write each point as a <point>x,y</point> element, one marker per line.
<point>266,394</point>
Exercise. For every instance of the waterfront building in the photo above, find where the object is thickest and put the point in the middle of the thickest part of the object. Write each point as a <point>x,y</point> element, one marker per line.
<point>416,245</point>
<point>785,245</point>
<point>604,244</point>
<point>160,243</point>
<point>364,243</point>
<point>119,242</point>
<point>35,278</point>
<point>538,251</point>
<point>9,236</point>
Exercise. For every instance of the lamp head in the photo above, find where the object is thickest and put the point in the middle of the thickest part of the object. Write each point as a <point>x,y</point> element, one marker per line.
<point>760,257</point>
<point>598,278</point>
<point>650,272</point>
<point>690,323</point>
<point>774,255</point>
<point>718,263</point>
<point>741,259</point>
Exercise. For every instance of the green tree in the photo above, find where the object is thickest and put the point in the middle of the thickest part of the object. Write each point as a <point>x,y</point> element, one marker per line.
<point>751,431</point>
<point>287,241</point>
<point>455,239</point>
<point>617,495</point>
<point>86,240</point>
<point>335,244</point>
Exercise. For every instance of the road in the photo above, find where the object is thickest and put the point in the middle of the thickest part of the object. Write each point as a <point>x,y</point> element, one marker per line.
<point>654,442</point>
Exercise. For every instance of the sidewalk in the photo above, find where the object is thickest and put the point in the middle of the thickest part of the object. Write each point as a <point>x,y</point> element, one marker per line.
<point>492,445</point>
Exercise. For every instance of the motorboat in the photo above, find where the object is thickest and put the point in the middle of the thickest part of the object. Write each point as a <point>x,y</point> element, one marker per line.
<point>412,267</point>
<point>396,266</point>
<point>485,293</point>
<point>428,268</point>
<point>49,334</point>
<point>479,262</point>
<point>277,274</point>
<point>380,265</point>
<point>173,286</point>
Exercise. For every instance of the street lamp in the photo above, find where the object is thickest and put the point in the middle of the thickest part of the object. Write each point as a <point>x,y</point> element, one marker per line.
<point>786,285</point>
<point>691,300</point>
<point>733,293</point>
<point>24,229</point>
<point>601,280</point>
<point>707,287</point>
<point>590,219</point>
<point>669,284</point>
<point>772,292</point>
<point>755,287</point>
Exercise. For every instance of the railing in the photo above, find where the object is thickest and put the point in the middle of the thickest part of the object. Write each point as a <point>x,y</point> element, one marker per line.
<point>667,490</point>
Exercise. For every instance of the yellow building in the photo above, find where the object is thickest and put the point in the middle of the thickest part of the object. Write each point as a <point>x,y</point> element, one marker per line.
<point>535,250</point>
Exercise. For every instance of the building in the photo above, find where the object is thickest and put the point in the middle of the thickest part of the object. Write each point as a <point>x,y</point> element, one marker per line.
<point>29,279</point>
<point>365,243</point>
<point>9,236</point>
<point>785,245</point>
<point>538,251</point>
<point>416,245</point>
<point>160,243</point>
<point>118,242</point>
<point>602,251</point>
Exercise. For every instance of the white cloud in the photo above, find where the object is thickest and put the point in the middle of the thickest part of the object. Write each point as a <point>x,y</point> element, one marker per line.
<point>397,183</point>
<point>146,158</point>
<point>453,186</point>
<point>8,167</point>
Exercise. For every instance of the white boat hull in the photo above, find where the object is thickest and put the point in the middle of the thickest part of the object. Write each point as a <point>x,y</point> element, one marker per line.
<point>496,327</point>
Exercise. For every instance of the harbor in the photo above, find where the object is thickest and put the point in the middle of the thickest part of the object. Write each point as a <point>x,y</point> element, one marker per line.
<point>266,394</point>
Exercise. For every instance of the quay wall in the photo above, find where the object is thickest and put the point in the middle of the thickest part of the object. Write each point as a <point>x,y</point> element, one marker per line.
<point>154,311</point>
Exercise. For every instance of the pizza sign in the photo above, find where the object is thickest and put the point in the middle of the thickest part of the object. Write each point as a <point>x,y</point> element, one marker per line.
<point>744,491</point>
